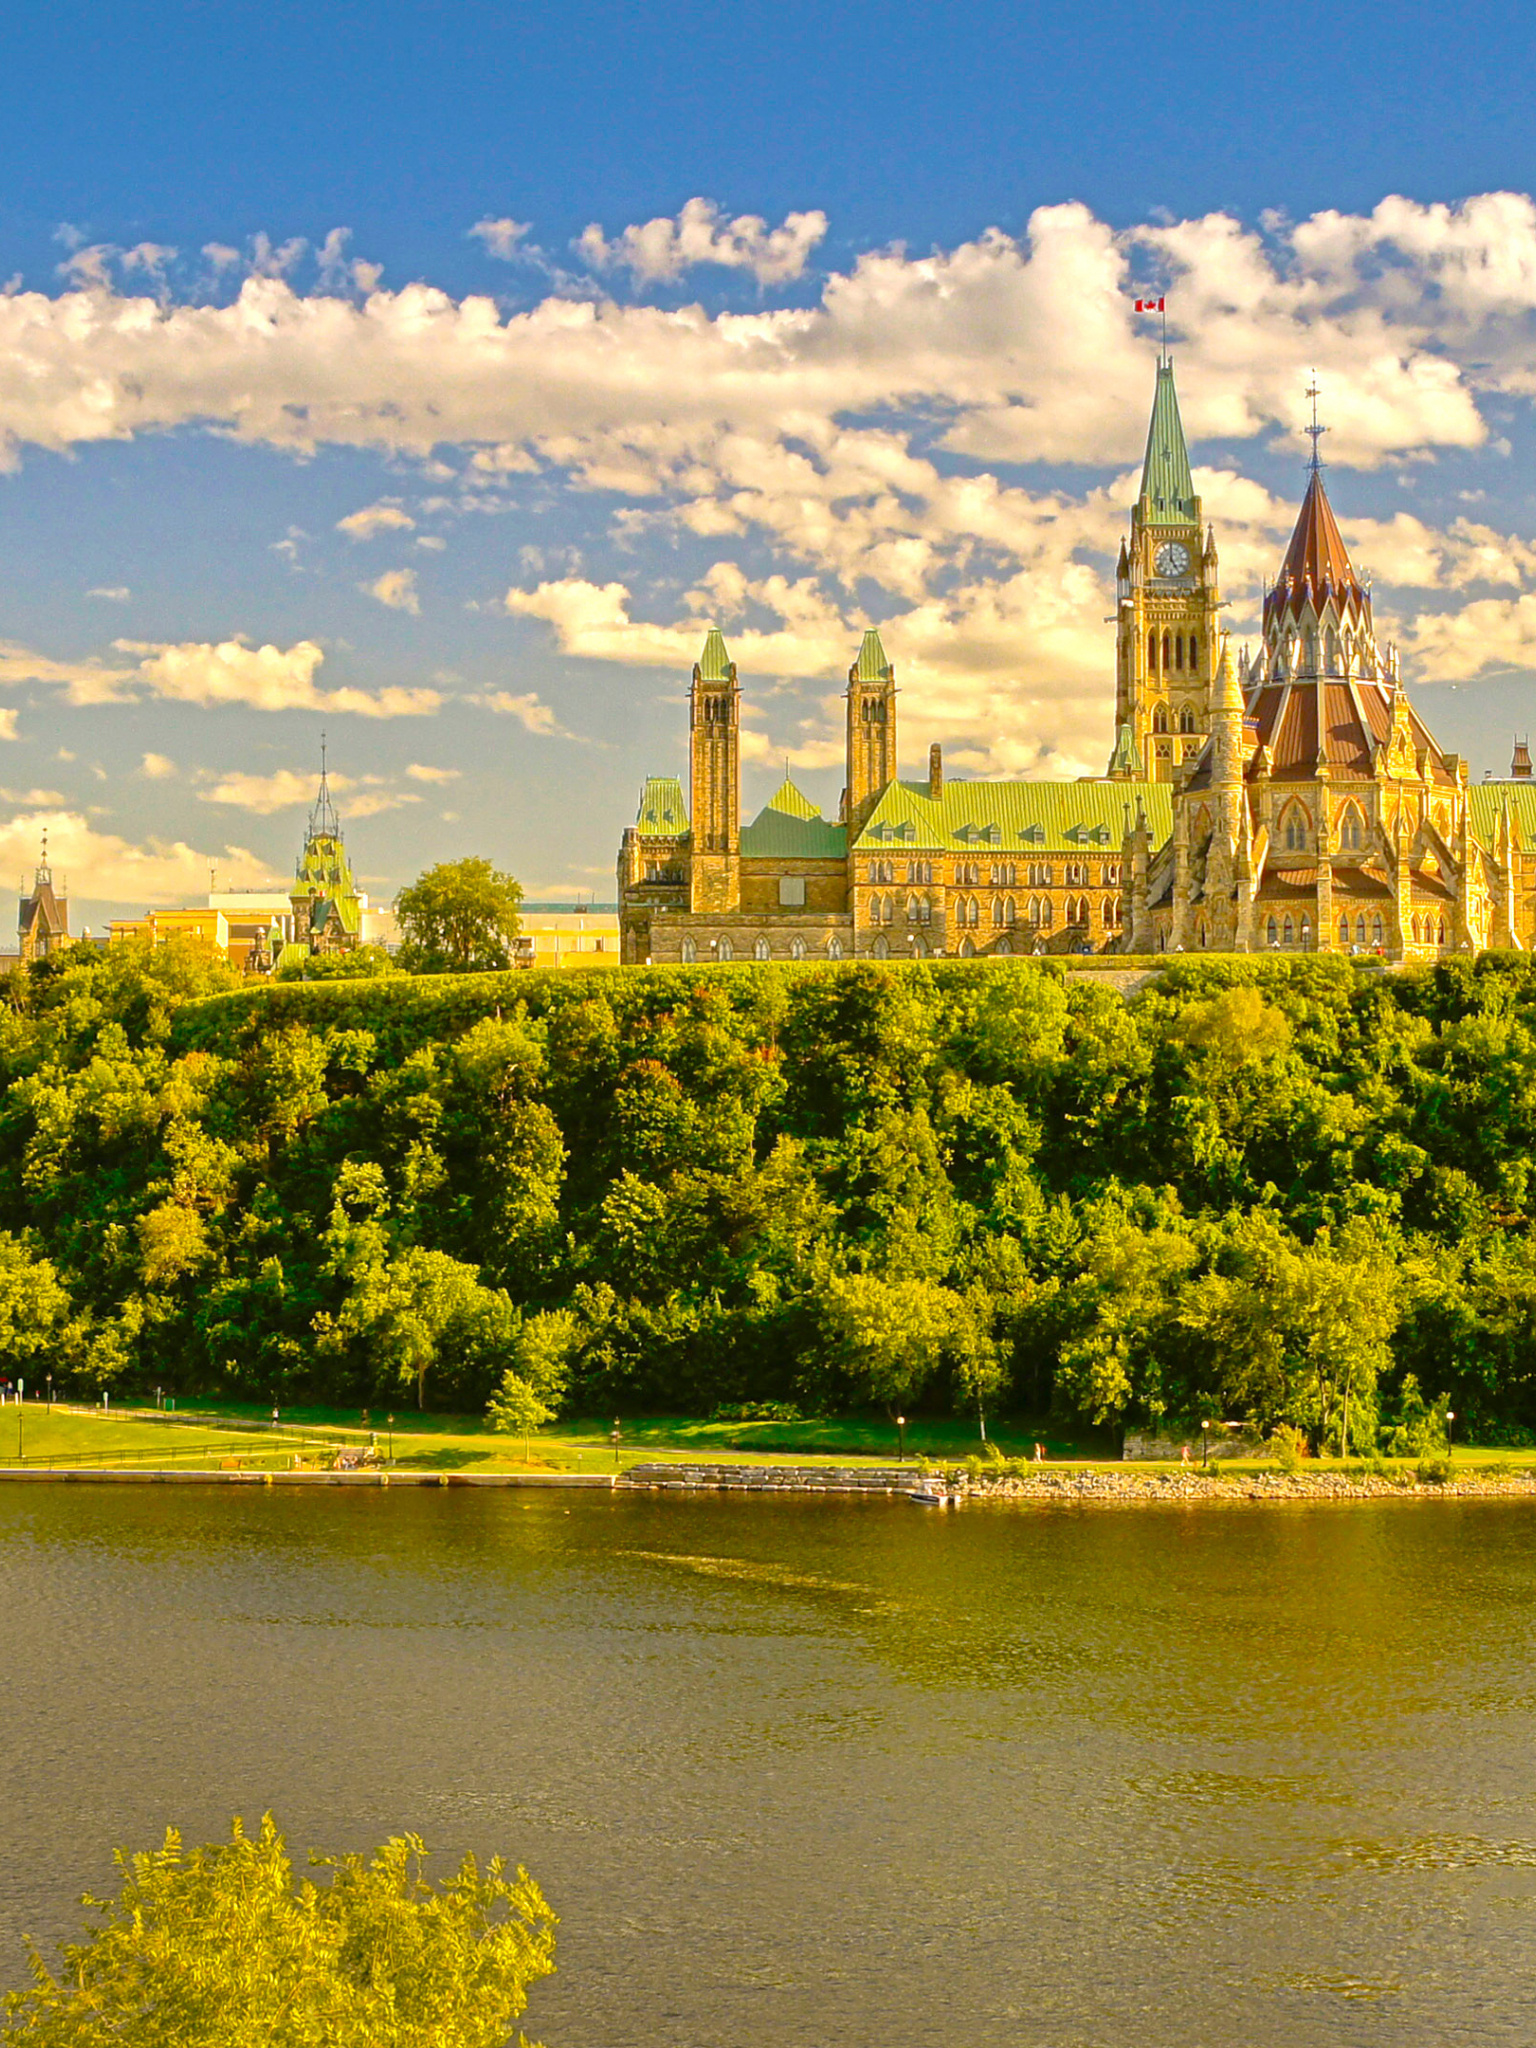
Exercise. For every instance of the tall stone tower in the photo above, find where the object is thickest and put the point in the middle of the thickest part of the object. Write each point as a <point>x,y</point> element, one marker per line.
<point>714,755</point>
<point>1167,604</point>
<point>871,729</point>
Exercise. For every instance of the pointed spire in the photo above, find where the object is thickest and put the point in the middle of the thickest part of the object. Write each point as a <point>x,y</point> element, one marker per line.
<point>323,820</point>
<point>871,665</point>
<point>1317,557</point>
<point>715,662</point>
<point>1167,488</point>
<point>1226,693</point>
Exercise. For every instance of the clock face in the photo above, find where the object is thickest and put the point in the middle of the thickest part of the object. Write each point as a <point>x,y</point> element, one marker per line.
<point>1172,559</point>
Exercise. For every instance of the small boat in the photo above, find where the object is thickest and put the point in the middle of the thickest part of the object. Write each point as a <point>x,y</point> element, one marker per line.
<point>933,1495</point>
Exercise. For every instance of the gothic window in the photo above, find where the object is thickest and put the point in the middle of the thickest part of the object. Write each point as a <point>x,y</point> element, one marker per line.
<point>1178,650</point>
<point>834,948</point>
<point>1003,948</point>
<point>881,948</point>
<point>1360,929</point>
<point>973,912</point>
<point>1111,874</point>
<point>1290,931</point>
<point>1003,875</point>
<point>1152,652</point>
<point>1186,720</point>
<point>1160,718</point>
<point>1194,650</point>
<point>1442,931</point>
<point>1294,828</point>
<point>1376,929</point>
<point>919,950</point>
<point>1167,652</point>
<point>911,910</point>
<point>888,910</point>
<point>1350,830</point>
<point>725,950</point>
<point>1034,910</point>
<point>1333,652</point>
<point>797,949</point>
<point>927,910</point>
<point>761,950</point>
<point>690,952</point>
<point>1306,932</point>
<point>919,870</point>
<point>1010,913</point>
<point>1273,933</point>
<point>1113,912</point>
<point>997,913</point>
<point>1077,874</point>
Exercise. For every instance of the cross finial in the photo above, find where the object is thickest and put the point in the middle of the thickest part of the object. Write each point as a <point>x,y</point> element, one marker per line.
<point>1315,430</point>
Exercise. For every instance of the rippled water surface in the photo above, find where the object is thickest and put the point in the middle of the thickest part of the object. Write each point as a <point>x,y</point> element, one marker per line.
<point>815,1771</point>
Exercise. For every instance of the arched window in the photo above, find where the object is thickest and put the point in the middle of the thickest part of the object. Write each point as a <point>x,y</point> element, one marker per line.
<point>725,950</point>
<point>690,952</point>
<point>1288,935</point>
<point>1294,827</point>
<point>1186,719</point>
<point>888,910</point>
<point>925,909</point>
<point>1309,653</point>
<point>1167,651</point>
<point>1112,913</point>
<point>834,948</point>
<point>1376,929</point>
<point>1010,913</point>
<point>1333,652</point>
<point>1418,928</point>
<point>797,949</point>
<point>1306,932</point>
<point>973,912</point>
<point>874,909</point>
<point>1003,948</point>
<point>1047,913</point>
<point>967,950</point>
<point>762,950</point>
<point>1344,929</point>
<point>1273,933</point>
<point>919,950</point>
<point>1442,931</point>
<point>1178,650</point>
<point>1360,929</point>
<point>1033,912</point>
<point>1350,829</point>
<point>1152,652</point>
<point>997,913</point>
<point>1160,718</point>
<point>911,910</point>
<point>1194,650</point>
<point>881,949</point>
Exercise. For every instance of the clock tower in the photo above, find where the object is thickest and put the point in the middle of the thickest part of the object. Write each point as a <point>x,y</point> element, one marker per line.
<point>1166,608</point>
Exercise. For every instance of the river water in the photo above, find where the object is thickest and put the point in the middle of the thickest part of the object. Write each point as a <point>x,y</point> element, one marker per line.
<point>827,1772</point>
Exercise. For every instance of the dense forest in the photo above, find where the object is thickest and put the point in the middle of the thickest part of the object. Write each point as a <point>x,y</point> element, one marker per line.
<point>1256,1189</point>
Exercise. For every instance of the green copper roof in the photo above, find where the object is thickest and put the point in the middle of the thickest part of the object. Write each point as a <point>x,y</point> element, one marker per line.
<point>1124,762</point>
<point>1487,801</point>
<point>793,802</point>
<point>1017,818</point>
<point>715,661</point>
<point>789,827</point>
<point>662,806</point>
<point>1167,488</point>
<point>871,666</point>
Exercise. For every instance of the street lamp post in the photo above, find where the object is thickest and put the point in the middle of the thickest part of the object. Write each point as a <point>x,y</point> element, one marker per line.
<point>901,1437</point>
<point>50,1393</point>
<point>1205,1441</point>
<point>391,1421</point>
<point>1450,1413</point>
<point>618,1435</point>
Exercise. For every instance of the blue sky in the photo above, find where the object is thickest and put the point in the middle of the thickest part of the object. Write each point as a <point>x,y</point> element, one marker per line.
<point>433,375</point>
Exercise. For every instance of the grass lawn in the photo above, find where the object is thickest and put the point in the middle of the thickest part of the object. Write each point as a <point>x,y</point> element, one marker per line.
<point>210,1434</point>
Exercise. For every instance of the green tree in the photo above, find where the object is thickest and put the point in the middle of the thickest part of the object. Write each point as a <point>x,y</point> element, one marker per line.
<point>209,1946</point>
<point>458,918</point>
<point>359,963</point>
<point>33,1300</point>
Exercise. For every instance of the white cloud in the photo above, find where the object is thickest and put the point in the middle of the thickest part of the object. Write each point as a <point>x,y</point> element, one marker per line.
<point>384,517</point>
<point>107,868</point>
<point>157,768</point>
<point>500,237</point>
<point>115,593</point>
<point>30,796</point>
<point>395,588</point>
<point>660,250</point>
<point>8,724</point>
<point>266,678</point>
<point>529,711</point>
<point>363,796</point>
<point>420,772</point>
<point>433,542</point>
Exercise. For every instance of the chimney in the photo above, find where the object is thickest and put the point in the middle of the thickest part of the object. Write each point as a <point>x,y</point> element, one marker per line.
<point>1520,766</point>
<point>935,771</point>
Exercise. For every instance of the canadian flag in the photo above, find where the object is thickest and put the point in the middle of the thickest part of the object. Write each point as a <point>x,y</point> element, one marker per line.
<point>1151,305</point>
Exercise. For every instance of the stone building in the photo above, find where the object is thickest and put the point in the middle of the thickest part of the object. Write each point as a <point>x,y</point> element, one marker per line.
<point>327,909</point>
<point>1288,800</point>
<point>42,919</point>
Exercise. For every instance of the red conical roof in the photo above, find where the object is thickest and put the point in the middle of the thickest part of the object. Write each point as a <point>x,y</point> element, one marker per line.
<point>1317,555</point>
